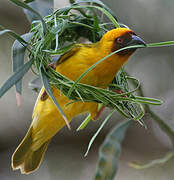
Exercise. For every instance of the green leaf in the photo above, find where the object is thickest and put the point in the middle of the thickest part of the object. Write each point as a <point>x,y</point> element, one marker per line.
<point>161,44</point>
<point>98,2</point>
<point>43,7</point>
<point>63,10</point>
<point>25,6</point>
<point>96,134</point>
<point>84,123</point>
<point>166,158</point>
<point>109,152</point>
<point>104,11</point>
<point>52,33</point>
<point>18,75</point>
<point>18,52</point>
<point>147,100</point>
<point>48,89</point>
<point>61,50</point>
<point>28,1</point>
<point>12,34</point>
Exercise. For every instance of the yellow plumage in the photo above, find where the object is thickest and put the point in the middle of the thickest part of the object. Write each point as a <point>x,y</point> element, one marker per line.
<point>47,120</point>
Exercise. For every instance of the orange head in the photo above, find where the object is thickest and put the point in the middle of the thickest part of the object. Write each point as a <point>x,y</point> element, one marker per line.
<point>116,39</point>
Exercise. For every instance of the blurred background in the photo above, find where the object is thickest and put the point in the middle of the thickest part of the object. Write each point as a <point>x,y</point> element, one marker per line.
<point>64,160</point>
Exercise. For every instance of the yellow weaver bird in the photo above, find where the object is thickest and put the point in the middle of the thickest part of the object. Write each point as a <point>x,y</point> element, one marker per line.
<point>47,120</point>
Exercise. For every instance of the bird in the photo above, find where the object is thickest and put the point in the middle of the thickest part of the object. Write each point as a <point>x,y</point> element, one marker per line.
<point>46,119</point>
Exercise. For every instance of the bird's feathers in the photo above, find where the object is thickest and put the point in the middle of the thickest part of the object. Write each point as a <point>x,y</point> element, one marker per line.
<point>24,158</point>
<point>47,120</point>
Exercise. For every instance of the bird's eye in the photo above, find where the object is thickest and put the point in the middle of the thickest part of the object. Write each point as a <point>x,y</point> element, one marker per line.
<point>119,40</point>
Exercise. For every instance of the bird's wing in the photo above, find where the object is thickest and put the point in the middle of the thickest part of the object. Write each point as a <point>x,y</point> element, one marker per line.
<point>44,96</point>
<point>62,59</point>
<point>71,52</point>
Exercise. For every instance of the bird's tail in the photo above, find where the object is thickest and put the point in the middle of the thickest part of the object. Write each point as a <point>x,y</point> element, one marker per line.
<point>26,159</point>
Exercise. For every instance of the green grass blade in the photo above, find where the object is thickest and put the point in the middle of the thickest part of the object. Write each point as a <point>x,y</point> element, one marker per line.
<point>147,100</point>
<point>111,18</point>
<point>61,50</point>
<point>161,44</point>
<point>12,34</point>
<point>18,75</point>
<point>30,15</point>
<point>98,62</point>
<point>52,33</point>
<point>98,131</point>
<point>28,1</point>
<point>44,8</point>
<point>98,2</point>
<point>18,52</point>
<point>47,87</point>
<point>161,161</point>
<point>25,6</point>
<point>57,36</point>
<point>84,123</point>
<point>109,152</point>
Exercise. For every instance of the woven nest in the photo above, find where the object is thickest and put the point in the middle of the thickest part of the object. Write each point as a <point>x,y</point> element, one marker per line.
<point>58,34</point>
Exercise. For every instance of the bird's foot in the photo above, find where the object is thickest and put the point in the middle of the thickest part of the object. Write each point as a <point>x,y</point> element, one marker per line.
<point>99,113</point>
<point>52,65</point>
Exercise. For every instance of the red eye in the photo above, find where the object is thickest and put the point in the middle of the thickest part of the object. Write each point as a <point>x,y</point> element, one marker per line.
<point>119,40</point>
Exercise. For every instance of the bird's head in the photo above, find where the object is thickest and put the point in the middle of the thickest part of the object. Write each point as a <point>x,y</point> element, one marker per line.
<point>119,38</point>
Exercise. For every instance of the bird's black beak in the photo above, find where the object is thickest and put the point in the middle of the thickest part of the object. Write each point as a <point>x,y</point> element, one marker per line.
<point>136,41</point>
